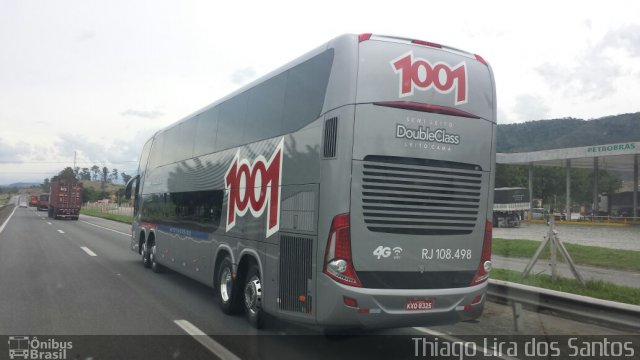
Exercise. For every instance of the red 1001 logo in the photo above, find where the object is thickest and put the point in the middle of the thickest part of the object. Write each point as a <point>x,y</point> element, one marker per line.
<point>417,73</point>
<point>255,186</point>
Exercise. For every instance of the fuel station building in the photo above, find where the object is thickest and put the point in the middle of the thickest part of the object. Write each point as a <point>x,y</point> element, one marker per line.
<point>621,157</point>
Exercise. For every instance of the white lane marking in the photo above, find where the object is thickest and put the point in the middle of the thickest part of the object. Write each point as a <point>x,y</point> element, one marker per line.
<point>60,231</point>
<point>454,339</point>
<point>88,251</point>
<point>48,223</point>
<point>105,228</point>
<point>206,341</point>
<point>7,221</point>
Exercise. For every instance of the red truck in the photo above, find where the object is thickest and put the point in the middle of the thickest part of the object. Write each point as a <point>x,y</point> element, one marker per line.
<point>43,202</point>
<point>33,200</point>
<point>65,199</point>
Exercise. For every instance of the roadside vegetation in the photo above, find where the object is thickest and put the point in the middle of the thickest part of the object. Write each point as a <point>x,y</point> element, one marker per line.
<point>596,289</point>
<point>105,215</point>
<point>626,260</point>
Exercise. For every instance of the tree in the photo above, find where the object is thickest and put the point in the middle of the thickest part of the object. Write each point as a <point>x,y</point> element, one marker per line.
<point>85,174</point>
<point>76,171</point>
<point>96,172</point>
<point>66,175</point>
<point>511,176</point>
<point>90,195</point>
<point>105,175</point>
<point>114,175</point>
<point>45,185</point>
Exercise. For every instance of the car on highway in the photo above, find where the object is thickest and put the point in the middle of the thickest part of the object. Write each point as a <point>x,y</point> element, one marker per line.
<point>537,213</point>
<point>23,203</point>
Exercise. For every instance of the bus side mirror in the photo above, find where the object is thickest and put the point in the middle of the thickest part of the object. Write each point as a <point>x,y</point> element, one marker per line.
<point>129,187</point>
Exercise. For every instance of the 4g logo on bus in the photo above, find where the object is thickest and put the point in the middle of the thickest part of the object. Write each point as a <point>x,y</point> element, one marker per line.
<point>417,73</point>
<point>255,187</point>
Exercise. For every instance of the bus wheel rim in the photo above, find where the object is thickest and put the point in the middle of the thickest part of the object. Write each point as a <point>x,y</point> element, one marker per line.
<point>253,294</point>
<point>225,284</point>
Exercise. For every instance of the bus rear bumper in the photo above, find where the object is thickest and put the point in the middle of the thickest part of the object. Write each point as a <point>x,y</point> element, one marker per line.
<point>386,308</point>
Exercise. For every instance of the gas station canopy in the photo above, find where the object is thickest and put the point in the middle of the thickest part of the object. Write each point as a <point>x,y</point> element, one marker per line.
<point>618,157</point>
<point>621,157</point>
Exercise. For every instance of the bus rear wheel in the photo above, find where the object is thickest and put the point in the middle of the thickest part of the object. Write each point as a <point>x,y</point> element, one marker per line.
<point>155,267</point>
<point>228,298</point>
<point>146,260</point>
<point>253,297</point>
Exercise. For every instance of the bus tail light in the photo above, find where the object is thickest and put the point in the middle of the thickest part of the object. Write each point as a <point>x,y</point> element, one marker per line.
<point>481,59</point>
<point>436,109</point>
<point>485,266</point>
<point>364,37</point>
<point>337,259</point>
<point>426,43</point>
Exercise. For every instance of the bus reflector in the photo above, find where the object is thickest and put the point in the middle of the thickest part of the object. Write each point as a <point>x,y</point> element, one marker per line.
<point>350,302</point>
<point>337,259</point>
<point>485,258</point>
<point>410,105</point>
<point>364,37</point>
<point>426,43</point>
<point>482,60</point>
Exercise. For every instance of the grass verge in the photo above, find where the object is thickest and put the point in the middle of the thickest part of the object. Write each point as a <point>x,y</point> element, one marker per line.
<point>121,218</point>
<point>597,289</point>
<point>626,260</point>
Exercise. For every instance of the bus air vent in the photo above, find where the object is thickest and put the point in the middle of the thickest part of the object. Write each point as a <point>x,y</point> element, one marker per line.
<point>330,137</point>
<point>420,196</point>
<point>295,273</point>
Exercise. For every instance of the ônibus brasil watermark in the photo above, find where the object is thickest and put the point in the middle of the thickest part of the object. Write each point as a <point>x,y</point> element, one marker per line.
<point>33,348</point>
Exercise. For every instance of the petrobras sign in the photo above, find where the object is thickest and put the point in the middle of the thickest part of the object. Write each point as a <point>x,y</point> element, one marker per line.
<point>612,148</point>
<point>427,134</point>
<point>254,186</point>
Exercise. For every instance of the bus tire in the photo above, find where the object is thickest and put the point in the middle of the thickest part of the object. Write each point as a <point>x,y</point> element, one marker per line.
<point>228,297</point>
<point>253,297</point>
<point>155,267</point>
<point>146,261</point>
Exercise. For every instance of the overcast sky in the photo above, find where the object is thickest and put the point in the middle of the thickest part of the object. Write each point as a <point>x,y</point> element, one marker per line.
<point>99,77</point>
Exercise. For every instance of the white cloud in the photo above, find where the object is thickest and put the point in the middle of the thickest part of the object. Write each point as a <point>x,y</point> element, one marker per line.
<point>14,153</point>
<point>243,76</point>
<point>85,35</point>
<point>530,107</point>
<point>152,114</point>
<point>108,71</point>
<point>595,71</point>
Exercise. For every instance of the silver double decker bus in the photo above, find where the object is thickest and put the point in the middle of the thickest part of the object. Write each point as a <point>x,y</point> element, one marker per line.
<point>350,188</point>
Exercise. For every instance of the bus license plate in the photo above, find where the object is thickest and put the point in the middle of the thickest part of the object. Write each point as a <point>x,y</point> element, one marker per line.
<point>418,304</point>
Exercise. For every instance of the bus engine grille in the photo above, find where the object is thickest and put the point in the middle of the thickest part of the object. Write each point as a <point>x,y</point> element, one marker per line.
<point>420,196</point>
<point>295,273</point>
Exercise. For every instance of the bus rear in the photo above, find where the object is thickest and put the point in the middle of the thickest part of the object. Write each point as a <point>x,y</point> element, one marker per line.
<point>415,246</point>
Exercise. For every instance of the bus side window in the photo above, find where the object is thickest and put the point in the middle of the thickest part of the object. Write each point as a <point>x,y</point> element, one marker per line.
<point>231,122</point>
<point>266,102</point>
<point>306,90</point>
<point>207,127</point>
<point>201,207</point>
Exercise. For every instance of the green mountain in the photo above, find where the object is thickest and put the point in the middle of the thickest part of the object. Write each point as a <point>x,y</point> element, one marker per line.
<point>568,132</point>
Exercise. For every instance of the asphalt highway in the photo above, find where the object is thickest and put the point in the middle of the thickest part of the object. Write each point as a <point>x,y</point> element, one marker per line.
<point>79,280</point>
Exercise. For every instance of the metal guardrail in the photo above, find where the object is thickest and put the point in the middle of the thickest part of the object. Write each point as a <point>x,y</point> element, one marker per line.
<point>583,308</point>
